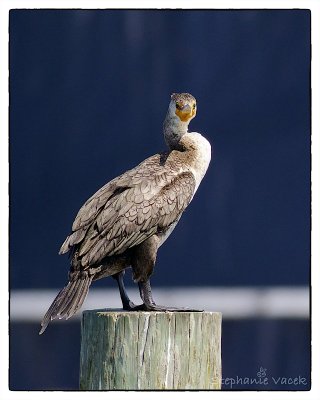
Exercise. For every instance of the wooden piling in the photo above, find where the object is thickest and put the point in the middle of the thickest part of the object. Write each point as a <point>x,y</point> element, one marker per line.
<point>141,350</point>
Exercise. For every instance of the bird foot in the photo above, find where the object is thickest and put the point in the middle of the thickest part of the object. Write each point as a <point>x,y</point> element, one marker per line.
<point>130,306</point>
<point>155,307</point>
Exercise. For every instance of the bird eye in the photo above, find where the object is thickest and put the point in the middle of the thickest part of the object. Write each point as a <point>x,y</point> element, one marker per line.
<point>194,105</point>
<point>177,105</point>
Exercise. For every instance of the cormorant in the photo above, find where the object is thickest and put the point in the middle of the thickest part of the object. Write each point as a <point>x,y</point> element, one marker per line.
<point>125,222</point>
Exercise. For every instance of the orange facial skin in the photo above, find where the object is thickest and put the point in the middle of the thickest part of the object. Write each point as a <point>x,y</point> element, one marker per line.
<point>185,113</point>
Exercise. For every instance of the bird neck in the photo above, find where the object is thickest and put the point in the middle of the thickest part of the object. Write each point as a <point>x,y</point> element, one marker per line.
<point>173,130</point>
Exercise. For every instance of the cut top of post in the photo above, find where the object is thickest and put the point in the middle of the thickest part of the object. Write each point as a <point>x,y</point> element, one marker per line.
<point>140,350</point>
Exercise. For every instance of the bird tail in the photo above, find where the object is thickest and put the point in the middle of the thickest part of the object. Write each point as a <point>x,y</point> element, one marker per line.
<point>69,299</point>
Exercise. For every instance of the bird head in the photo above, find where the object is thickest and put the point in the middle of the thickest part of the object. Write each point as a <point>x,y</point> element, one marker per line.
<point>183,106</point>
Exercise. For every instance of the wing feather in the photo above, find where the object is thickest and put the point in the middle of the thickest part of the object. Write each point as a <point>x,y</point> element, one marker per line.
<point>130,209</point>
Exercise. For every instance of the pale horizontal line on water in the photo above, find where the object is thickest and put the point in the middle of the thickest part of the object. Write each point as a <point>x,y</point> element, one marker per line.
<point>233,302</point>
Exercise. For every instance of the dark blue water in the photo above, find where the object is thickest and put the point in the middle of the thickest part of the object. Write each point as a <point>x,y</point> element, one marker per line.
<point>88,93</point>
<point>280,347</point>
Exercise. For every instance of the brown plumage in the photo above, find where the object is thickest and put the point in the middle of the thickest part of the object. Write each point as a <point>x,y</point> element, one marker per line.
<point>124,223</point>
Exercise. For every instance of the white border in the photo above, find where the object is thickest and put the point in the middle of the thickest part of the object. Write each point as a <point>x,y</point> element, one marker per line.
<point>314,5</point>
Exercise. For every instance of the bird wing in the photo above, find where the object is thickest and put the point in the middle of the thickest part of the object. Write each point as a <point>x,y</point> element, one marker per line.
<point>129,209</point>
<point>93,206</point>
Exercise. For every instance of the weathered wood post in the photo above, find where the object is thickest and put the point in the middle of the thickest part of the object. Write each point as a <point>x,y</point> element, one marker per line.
<point>150,350</point>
